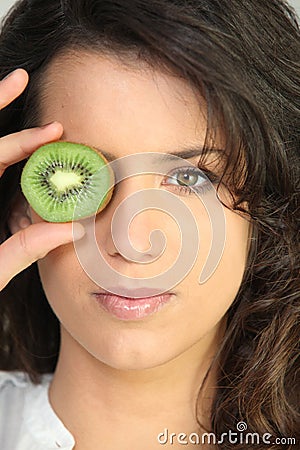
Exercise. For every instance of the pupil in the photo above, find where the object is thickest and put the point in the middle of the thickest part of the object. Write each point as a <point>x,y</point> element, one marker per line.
<point>187,179</point>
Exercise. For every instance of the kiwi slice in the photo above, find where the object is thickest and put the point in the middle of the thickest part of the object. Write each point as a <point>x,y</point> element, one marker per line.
<point>65,181</point>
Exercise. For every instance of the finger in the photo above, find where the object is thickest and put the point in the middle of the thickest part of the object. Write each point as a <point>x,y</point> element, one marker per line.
<point>33,243</point>
<point>17,146</point>
<point>12,86</point>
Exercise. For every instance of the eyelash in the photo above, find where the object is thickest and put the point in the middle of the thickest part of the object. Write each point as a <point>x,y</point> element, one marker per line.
<point>187,190</point>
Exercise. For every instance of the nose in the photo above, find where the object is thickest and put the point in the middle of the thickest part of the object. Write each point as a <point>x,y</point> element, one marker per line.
<point>128,226</point>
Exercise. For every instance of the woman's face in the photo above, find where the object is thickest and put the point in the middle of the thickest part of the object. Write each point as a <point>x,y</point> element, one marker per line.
<point>125,111</point>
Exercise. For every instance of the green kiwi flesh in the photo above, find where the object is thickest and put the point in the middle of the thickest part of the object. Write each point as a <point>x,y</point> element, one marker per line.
<point>65,181</point>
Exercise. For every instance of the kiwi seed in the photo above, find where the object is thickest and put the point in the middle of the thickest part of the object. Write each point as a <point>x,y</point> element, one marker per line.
<point>65,181</point>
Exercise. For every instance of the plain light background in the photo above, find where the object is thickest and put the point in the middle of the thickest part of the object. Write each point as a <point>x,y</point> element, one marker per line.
<point>6,4</point>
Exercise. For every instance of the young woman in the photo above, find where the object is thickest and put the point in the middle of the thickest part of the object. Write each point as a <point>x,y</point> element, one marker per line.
<point>217,85</point>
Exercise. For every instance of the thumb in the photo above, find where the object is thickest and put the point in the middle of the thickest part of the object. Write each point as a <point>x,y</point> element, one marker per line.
<point>33,243</point>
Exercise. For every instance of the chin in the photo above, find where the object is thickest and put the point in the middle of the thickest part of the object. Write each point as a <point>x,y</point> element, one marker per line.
<point>141,354</point>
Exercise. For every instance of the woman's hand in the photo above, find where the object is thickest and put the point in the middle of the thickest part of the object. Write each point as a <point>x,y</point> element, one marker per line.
<point>31,242</point>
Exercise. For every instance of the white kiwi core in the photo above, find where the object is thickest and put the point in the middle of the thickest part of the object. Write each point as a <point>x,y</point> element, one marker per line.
<point>65,180</point>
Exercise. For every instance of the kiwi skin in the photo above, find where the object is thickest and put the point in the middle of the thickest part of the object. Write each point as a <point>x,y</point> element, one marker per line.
<point>67,203</point>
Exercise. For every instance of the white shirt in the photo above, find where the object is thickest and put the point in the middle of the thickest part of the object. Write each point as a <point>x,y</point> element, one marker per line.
<point>27,420</point>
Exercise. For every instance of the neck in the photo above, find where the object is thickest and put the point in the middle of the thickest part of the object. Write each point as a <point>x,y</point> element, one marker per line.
<point>95,400</point>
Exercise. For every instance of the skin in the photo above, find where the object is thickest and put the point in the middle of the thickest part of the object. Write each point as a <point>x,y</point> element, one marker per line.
<point>135,376</point>
<point>28,241</point>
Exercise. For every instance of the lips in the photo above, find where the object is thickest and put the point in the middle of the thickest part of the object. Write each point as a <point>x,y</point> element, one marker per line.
<point>134,293</point>
<point>135,307</point>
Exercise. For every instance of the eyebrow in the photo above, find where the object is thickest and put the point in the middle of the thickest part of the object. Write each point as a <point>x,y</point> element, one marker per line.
<point>168,156</point>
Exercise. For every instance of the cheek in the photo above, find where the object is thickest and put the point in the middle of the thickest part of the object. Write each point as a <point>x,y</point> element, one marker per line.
<point>60,274</point>
<point>210,300</point>
<point>224,285</point>
<point>56,269</point>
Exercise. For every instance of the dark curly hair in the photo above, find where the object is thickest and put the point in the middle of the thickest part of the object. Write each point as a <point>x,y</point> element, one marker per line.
<point>243,56</point>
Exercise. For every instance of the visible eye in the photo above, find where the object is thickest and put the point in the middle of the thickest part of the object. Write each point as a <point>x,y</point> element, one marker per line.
<point>188,180</point>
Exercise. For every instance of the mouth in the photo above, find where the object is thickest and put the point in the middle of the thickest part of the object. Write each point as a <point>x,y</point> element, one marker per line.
<point>133,304</point>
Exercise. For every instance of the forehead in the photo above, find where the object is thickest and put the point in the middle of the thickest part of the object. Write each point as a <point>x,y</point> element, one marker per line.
<point>104,102</point>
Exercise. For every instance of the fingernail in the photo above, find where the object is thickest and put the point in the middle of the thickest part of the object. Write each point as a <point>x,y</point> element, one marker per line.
<point>24,222</point>
<point>78,231</point>
<point>9,75</point>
